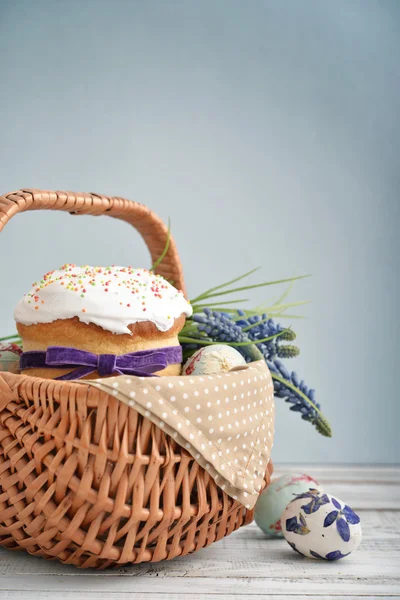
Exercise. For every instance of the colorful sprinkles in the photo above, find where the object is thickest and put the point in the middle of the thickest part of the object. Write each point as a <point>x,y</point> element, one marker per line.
<point>144,287</point>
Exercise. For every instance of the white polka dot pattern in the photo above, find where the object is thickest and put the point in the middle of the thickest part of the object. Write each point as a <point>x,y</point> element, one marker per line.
<point>226,422</point>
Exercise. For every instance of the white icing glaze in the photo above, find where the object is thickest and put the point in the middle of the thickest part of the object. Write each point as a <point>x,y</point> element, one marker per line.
<point>111,297</point>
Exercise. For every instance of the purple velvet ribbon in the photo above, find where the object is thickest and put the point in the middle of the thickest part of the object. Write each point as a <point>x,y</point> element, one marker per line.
<point>140,364</point>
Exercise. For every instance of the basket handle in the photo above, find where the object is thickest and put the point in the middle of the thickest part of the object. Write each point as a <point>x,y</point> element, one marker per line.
<point>148,224</point>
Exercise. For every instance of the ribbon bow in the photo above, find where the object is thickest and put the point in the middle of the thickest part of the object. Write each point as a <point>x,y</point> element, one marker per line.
<point>140,364</point>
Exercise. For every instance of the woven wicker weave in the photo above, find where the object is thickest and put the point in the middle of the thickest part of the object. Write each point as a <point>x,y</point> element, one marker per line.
<point>84,478</point>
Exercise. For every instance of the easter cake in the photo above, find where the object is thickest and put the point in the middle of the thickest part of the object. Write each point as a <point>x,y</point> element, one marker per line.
<point>80,322</point>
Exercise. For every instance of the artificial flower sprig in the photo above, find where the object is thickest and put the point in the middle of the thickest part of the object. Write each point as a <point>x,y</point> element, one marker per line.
<point>256,336</point>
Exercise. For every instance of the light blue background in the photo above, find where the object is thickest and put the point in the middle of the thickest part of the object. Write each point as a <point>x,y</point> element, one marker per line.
<point>268,131</point>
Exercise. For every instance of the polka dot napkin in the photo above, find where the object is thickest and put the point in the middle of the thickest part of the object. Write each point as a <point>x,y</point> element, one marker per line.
<point>225,421</point>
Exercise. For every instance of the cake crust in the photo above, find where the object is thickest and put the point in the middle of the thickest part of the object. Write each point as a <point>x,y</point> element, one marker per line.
<point>92,338</point>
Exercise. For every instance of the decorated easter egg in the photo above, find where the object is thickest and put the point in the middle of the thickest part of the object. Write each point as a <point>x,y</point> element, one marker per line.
<point>9,357</point>
<point>318,525</point>
<point>211,360</point>
<point>274,499</point>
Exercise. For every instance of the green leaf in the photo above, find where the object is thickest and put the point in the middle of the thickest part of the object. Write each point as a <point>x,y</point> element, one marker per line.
<point>285,316</point>
<point>183,339</point>
<point>164,252</point>
<point>189,331</point>
<point>190,340</point>
<point>279,308</point>
<point>218,287</point>
<point>250,313</point>
<point>200,307</point>
<point>261,310</point>
<point>10,337</point>
<point>285,293</point>
<point>225,309</point>
<point>252,287</point>
<point>270,314</point>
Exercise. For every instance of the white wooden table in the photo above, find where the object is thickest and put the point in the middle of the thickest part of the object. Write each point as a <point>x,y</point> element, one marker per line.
<point>246,564</point>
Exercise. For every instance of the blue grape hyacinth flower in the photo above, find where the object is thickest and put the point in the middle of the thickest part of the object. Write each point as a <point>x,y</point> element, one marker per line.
<point>308,413</point>
<point>259,327</point>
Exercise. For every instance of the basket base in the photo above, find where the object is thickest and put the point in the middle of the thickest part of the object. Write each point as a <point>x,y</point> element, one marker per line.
<point>88,481</point>
<point>83,559</point>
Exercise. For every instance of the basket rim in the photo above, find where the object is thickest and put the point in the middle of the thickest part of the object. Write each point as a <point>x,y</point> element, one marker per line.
<point>198,377</point>
<point>148,224</point>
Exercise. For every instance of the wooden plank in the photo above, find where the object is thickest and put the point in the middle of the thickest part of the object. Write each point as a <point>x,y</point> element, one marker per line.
<point>379,527</point>
<point>255,558</point>
<point>254,561</point>
<point>247,563</point>
<point>341,473</point>
<point>247,553</point>
<point>184,587</point>
<point>366,496</point>
<point>375,493</point>
<point>42,595</point>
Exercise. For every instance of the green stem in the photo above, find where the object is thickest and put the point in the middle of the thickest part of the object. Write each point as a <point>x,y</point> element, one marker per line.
<point>256,323</point>
<point>164,252</point>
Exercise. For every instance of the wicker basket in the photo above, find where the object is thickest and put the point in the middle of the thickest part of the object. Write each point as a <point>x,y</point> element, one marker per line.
<point>70,455</point>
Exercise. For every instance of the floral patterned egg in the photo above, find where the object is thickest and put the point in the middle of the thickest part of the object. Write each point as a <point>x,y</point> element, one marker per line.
<point>211,360</point>
<point>318,525</point>
<point>9,357</point>
<point>273,500</point>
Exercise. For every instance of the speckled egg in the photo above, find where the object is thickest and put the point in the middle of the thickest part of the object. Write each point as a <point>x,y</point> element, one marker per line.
<point>9,357</point>
<point>273,501</point>
<point>318,525</point>
<point>212,360</point>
